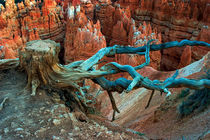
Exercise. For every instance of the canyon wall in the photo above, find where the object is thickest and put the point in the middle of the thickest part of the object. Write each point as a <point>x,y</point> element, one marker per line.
<point>126,22</point>
<point>31,20</point>
<point>175,20</point>
<point>84,38</point>
<point>119,28</point>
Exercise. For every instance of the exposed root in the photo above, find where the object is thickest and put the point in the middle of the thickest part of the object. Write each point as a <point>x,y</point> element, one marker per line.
<point>114,106</point>
<point>35,83</point>
<point>2,103</point>
<point>113,115</point>
<point>9,63</point>
<point>150,98</point>
<point>40,60</point>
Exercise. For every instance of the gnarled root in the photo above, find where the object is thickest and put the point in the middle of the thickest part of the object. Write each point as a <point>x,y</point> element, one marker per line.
<point>2,103</point>
<point>114,106</point>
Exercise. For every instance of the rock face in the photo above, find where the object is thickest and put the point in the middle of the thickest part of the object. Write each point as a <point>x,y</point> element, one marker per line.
<point>119,28</point>
<point>134,115</point>
<point>7,53</point>
<point>88,7</point>
<point>47,117</point>
<point>175,20</point>
<point>83,38</point>
<point>163,21</point>
<point>26,21</point>
<point>122,24</point>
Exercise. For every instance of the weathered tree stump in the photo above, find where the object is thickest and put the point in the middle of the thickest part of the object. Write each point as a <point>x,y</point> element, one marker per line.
<point>40,60</point>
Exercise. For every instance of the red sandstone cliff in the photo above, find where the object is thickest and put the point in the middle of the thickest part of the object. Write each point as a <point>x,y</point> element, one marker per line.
<point>175,20</point>
<point>119,28</point>
<point>26,21</point>
<point>165,20</point>
<point>83,38</point>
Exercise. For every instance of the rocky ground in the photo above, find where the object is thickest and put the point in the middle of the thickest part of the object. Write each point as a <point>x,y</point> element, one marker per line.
<point>165,123</point>
<point>161,119</point>
<point>46,117</point>
<point>99,24</point>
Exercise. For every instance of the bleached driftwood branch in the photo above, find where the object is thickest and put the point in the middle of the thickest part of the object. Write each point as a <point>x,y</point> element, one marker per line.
<point>8,63</point>
<point>42,66</point>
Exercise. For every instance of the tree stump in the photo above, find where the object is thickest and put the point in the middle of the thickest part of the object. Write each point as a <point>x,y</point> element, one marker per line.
<point>38,59</point>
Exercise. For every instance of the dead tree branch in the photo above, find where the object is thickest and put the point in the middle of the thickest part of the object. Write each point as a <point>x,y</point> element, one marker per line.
<point>40,60</point>
<point>8,63</point>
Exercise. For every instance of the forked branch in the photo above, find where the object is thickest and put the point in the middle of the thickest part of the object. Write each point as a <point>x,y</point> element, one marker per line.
<point>40,60</point>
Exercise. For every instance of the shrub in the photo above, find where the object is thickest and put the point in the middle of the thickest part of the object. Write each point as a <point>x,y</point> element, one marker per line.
<point>198,101</point>
<point>183,93</point>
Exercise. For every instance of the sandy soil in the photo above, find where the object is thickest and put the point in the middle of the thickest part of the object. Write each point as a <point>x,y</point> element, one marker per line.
<point>165,123</point>
<point>46,117</point>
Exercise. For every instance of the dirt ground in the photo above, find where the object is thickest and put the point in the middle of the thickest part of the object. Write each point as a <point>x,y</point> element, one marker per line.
<point>46,117</point>
<point>166,123</point>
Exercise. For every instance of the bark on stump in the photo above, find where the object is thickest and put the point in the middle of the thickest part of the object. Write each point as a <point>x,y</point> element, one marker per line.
<point>40,60</point>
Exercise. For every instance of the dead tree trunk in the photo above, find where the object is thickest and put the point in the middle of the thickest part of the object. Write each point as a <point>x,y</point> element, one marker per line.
<point>40,60</point>
<point>8,63</point>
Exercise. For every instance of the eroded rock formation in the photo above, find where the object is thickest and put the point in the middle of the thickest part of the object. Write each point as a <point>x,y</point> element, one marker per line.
<point>130,22</point>
<point>119,28</point>
<point>175,20</point>
<point>26,21</point>
<point>83,38</point>
<point>87,31</point>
